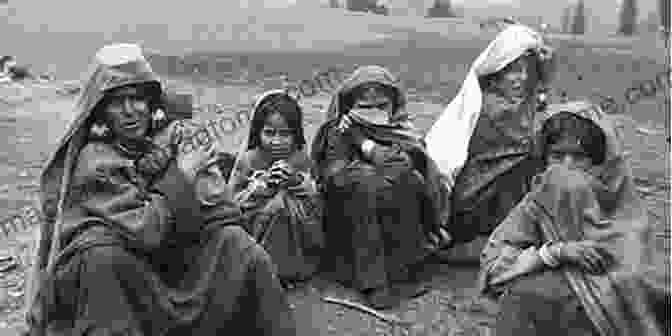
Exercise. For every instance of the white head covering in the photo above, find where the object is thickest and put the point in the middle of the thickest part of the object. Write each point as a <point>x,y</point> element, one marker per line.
<point>448,139</point>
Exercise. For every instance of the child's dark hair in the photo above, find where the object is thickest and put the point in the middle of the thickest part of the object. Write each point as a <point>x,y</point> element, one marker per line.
<point>566,124</point>
<point>288,107</point>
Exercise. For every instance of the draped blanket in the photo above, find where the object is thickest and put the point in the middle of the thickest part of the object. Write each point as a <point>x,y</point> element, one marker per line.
<point>398,130</point>
<point>633,297</point>
<point>411,142</point>
<point>448,139</point>
<point>142,255</point>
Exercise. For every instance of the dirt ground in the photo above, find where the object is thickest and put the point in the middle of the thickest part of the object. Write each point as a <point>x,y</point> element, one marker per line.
<point>445,310</point>
<point>431,59</point>
<point>33,126</point>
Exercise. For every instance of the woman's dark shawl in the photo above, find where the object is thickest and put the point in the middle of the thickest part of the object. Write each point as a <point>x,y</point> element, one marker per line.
<point>109,71</point>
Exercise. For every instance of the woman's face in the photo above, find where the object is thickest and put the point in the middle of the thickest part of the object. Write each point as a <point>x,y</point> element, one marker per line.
<point>128,114</point>
<point>512,80</point>
<point>276,135</point>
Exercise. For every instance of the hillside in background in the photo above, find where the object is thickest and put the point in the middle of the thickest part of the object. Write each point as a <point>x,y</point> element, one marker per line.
<point>602,15</point>
<point>41,33</point>
<point>228,55</point>
<point>228,43</point>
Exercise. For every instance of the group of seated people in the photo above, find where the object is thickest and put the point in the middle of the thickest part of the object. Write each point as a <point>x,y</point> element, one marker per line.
<point>145,237</point>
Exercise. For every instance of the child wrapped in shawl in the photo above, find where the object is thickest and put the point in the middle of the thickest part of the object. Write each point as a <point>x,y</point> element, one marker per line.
<point>575,256</point>
<point>274,186</point>
<point>143,246</point>
<point>381,189</point>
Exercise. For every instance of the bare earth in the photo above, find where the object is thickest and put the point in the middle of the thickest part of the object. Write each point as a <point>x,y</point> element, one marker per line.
<point>432,59</point>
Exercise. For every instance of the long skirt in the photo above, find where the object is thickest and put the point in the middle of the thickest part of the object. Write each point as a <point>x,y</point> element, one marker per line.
<point>221,282</point>
<point>542,304</point>
<point>374,226</point>
<point>290,229</point>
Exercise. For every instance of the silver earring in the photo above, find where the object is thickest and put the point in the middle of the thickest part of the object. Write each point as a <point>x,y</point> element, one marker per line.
<point>99,131</point>
<point>158,118</point>
<point>159,115</point>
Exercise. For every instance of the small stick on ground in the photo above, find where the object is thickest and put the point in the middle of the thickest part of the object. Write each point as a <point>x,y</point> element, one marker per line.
<point>358,306</point>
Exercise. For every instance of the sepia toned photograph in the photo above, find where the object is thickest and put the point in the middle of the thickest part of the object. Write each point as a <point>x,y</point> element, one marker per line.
<point>335,168</point>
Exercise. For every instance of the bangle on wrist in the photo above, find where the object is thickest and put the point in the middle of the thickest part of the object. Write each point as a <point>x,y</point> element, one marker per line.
<point>367,146</point>
<point>547,256</point>
<point>207,203</point>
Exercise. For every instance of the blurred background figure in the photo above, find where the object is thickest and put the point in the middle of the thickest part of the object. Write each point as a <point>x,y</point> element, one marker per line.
<point>10,70</point>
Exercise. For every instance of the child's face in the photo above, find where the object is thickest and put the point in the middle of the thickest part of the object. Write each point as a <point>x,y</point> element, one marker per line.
<point>374,97</point>
<point>276,136</point>
<point>572,157</point>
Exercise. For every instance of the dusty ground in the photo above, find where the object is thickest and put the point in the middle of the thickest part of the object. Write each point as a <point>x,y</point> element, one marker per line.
<point>440,309</point>
<point>431,58</point>
<point>449,309</point>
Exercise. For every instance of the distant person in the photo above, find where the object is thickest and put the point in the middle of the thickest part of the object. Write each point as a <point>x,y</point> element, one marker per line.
<point>12,70</point>
<point>576,256</point>
<point>484,140</point>
<point>151,242</point>
<point>381,189</point>
<point>276,190</point>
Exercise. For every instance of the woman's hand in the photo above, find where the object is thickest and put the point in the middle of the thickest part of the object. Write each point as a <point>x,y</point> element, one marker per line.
<point>191,162</point>
<point>155,160</point>
<point>587,254</point>
<point>111,165</point>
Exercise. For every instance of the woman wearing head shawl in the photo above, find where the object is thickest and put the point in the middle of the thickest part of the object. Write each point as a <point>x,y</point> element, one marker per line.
<point>381,189</point>
<point>575,256</point>
<point>136,240</point>
<point>276,190</point>
<point>483,141</point>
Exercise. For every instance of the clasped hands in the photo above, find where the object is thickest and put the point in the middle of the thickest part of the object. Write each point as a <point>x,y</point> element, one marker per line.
<point>590,256</point>
<point>280,174</point>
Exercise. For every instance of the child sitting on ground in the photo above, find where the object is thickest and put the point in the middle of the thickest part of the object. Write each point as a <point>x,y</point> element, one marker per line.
<point>275,189</point>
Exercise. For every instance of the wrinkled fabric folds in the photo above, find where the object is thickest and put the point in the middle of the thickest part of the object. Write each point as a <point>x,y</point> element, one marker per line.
<point>633,297</point>
<point>143,255</point>
<point>385,212</point>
